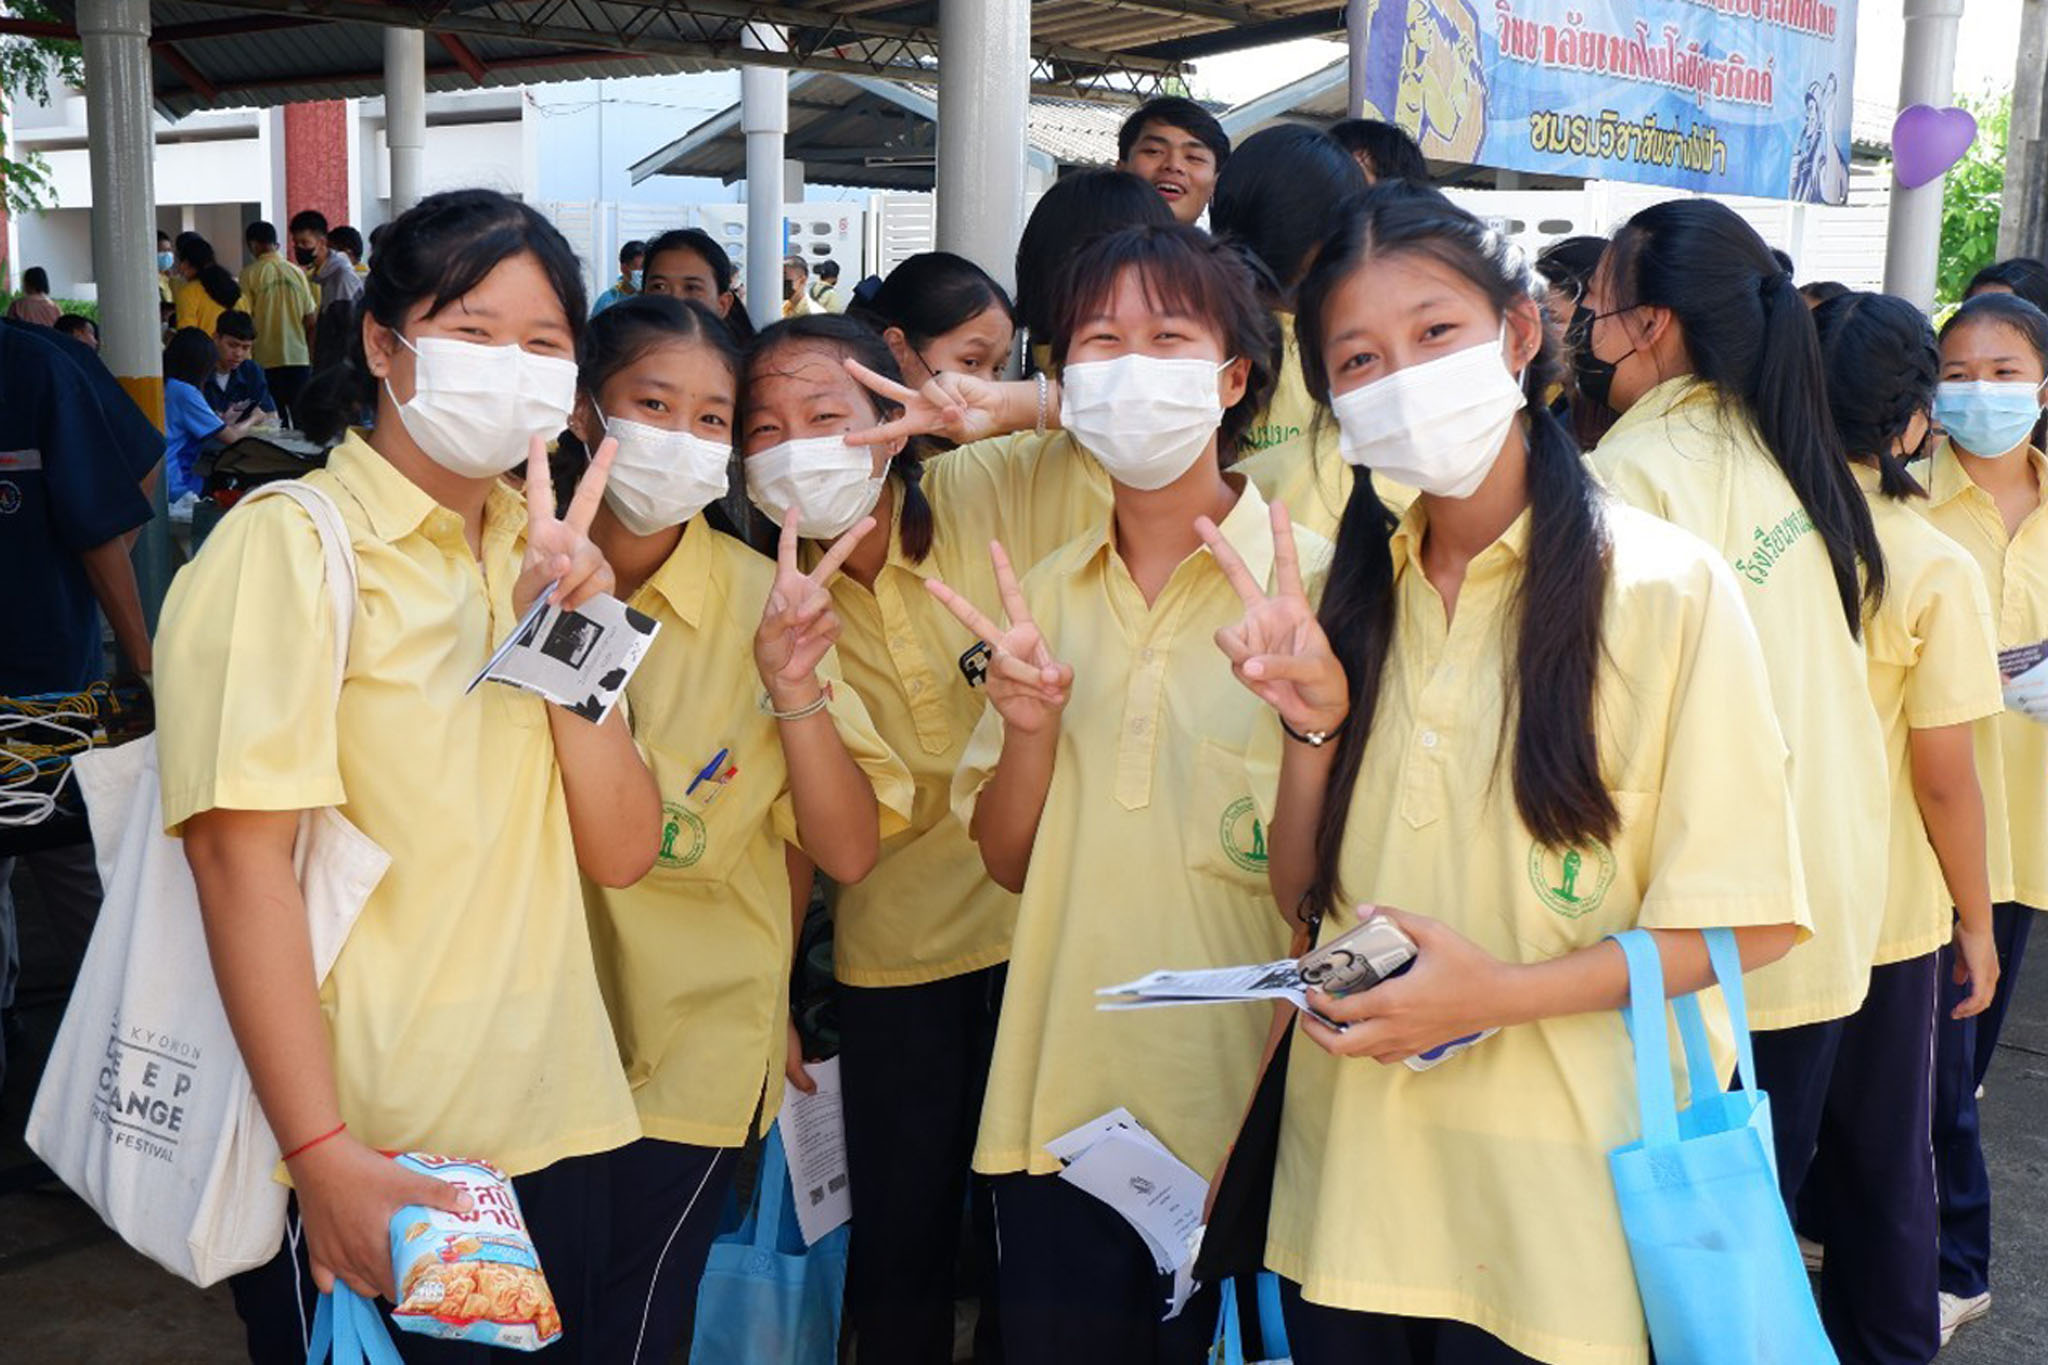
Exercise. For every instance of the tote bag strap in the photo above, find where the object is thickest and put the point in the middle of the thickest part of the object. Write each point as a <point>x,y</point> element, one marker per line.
<point>771,1191</point>
<point>350,1327</point>
<point>1654,1094</point>
<point>1272,1326</point>
<point>1692,1028</point>
<point>340,554</point>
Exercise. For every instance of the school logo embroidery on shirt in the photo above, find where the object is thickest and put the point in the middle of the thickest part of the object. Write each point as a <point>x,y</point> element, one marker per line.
<point>974,663</point>
<point>1244,835</point>
<point>1571,881</point>
<point>682,837</point>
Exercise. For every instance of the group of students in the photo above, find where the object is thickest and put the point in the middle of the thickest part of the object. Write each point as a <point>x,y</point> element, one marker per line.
<point>1277,595</point>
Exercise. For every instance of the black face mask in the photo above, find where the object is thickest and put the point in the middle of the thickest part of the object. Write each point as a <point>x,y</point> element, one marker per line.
<point>1593,376</point>
<point>304,255</point>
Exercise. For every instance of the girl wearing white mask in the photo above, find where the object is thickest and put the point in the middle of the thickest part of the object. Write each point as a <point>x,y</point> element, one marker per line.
<point>766,760</point>
<point>463,1015</point>
<point>1107,784</point>
<point>1506,720</point>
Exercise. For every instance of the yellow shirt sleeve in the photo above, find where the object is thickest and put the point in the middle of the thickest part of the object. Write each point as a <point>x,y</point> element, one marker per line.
<point>245,672</point>
<point>1955,679</point>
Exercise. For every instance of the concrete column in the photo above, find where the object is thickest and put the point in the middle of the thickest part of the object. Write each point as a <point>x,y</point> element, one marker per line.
<point>984,100</point>
<point>121,146</point>
<point>764,121</point>
<point>1912,255</point>
<point>405,114</point>
<point>1357,20</point>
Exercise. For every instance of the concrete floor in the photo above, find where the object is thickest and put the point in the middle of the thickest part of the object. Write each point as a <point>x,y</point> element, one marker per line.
<point>72,1294</point>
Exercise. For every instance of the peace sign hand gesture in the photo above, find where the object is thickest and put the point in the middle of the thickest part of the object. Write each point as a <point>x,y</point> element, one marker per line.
<point>1279,650</point>
<point>798,624</point>
<point>559,551</point>
<point>959,407</point>
<point>1026,685</point>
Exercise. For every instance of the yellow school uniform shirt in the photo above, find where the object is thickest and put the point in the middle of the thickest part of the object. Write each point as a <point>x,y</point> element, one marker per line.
<point>1933,662</point>
<point>464,1009</point>
<point>2016,575</point>
<point>1479,1191</point>
<point>694,958</point>
<point>1149,854</point>
<point>278,299</point>
<point>1687,457</point>
<point>929,910</point>
<point>196,308</point>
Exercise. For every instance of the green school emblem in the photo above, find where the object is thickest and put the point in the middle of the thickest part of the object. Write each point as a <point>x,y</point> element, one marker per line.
<point>682,837</point>
<point>1244,835</point>
<point>1572,881</point>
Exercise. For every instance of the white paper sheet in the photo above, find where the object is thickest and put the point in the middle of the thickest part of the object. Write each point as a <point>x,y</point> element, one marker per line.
<point>814,1138</point>
<point>1122,1163</point>
<point>578,659</point>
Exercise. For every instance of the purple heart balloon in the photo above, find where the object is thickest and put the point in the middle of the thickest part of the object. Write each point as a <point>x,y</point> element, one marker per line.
<point>1927,141</point>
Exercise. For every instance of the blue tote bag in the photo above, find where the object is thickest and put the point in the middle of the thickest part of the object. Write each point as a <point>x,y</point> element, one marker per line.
<point>1715,1259</point>
<point>349,1327</point>
<point>766,1298</point>
<point>1269,1347</point>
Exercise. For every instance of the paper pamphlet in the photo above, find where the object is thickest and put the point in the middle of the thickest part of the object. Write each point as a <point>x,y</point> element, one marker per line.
<point>1119,1161</point>
<point>814,1139</point>
<point>577,659</point>
<point>2017,660</point>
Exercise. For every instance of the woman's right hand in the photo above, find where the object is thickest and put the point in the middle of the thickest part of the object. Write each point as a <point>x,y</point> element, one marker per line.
<point>1026,685</point>
<point>1976,966</point>
<point>347,1196</point>
<point>958,407</point>
<point>1279,650</point>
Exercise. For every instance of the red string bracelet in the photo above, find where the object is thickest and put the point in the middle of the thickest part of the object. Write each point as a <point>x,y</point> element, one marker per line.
<point>306,1147</point>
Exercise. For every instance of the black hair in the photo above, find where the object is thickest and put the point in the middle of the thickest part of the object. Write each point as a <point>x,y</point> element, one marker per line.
<point>1558,789</point>
<point>929,295</point>
<point>2023,275</point>
<point>345,238</point>
<point>1750,335</point>
<point>635,250</point>
<point>220,285</point>
<point>260,233</point>
<point>795,258</point>
<point>1569,262</point>
<point>2007,310</point>
<point>1279,195</point>
<point>1818,292</point>
<point>195,251</point>
<point>828,269</point>
<point>310,220</point>
<point>701,244</point>
<point>235,323</point>
<point>1394,155</point>
<point>852,339</point>
<point>35,280</point>
<point>436,252</point>
<point>162,238</point>
<point>1186,269</point>
<point>334,331</point>
<point>1881,363</point>
<point>1783,258</point>
<point>377,235</point>
<point>620,336</point>
<point>75,324</point>
<point>190,356</point>
<point>1077,209</point>
<point>1175,112</point>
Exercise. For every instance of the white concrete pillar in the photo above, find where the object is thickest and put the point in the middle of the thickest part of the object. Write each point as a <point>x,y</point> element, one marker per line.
<point>984,101</point>
<point>1912,254</point>
<point>121,147</point>
<point>1357,19</point>
<point>405,114</point>
<point>764,121</point>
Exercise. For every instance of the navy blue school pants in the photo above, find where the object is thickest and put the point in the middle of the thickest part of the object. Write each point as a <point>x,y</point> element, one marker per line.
<point>1869,1193</point>
<point>1963,1049</point>
<point>1078,1285</point>
<point>1318,1335</point>
<point>914,1063</point>
<point>567,1208</point>
<point>666,1198</point>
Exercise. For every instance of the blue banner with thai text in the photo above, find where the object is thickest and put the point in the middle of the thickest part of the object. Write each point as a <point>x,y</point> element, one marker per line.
<point>1729,96</point>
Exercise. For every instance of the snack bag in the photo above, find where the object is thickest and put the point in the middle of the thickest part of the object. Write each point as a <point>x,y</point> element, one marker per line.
<point>470,1276</point>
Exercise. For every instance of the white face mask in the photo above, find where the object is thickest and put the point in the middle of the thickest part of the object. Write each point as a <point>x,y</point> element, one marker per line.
<point>1437,426</point>
<point>661,478</point>
<point>1145,419</point>
<point>475,408</point>
<point>833,483</point>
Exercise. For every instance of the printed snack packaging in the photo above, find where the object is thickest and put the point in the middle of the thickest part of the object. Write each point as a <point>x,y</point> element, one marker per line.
<point>470,1276</point>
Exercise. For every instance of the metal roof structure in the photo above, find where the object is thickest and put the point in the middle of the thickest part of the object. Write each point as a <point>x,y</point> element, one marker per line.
<point>879,134</point>
<point>226,53</point>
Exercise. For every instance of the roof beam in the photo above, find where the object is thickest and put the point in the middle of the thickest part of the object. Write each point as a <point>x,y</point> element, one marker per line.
<point>464,58</point>
<point>190,74</point>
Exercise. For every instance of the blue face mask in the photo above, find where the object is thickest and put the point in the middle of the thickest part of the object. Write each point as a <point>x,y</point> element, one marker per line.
<point>164,261</point>
<point>1986,418</point>
<point>634,276</point>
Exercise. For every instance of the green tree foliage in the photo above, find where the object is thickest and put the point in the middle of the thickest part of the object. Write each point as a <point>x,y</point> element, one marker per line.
<point>28,68</point>
<point>1970,198</point>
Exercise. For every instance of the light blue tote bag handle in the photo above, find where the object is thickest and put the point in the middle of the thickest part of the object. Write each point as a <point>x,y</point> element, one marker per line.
<point>1715,1260</point>
<point>350,1327</point>
<point>1230,1344</point>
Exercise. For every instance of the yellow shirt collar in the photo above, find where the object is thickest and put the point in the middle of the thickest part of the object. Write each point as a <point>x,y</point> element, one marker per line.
<point>1247,527</point>
<point>1511,547</point>
<point>683,576</point>
<point>1663,400</point>
<point>396,506</point>
<point>1947,480</point>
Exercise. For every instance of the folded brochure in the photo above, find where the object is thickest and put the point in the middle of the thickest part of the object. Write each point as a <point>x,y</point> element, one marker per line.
<point>1119,1161</point>
<point>577,659</point>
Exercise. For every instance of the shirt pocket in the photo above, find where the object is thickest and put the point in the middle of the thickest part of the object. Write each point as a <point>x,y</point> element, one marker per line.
<point>706,831</point>
<point>1225,832</point>
<point>1579,895</point>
